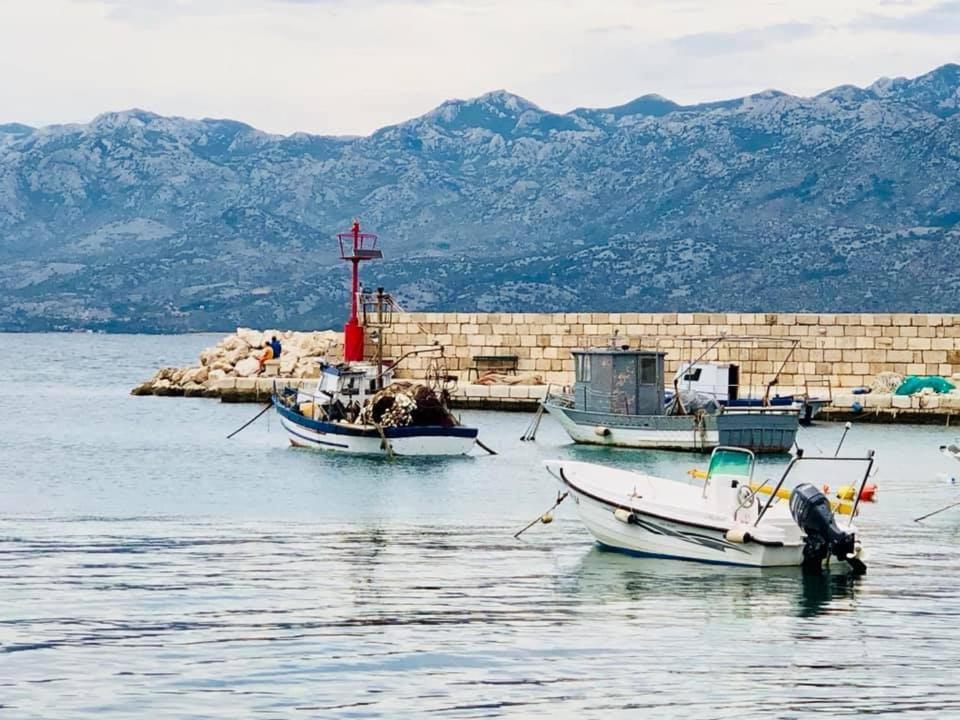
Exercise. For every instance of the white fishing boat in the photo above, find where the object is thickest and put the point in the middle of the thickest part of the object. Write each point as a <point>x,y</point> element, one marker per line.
<point>346,412</point>
<point>729,519</point>
<point>730,383</point>
<point>357,406</point>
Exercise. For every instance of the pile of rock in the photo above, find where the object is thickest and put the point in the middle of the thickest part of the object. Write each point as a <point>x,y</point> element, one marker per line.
<point>236,356</point>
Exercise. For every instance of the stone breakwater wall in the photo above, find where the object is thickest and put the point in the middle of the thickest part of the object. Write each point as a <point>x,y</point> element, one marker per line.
<point>230,369</point>
<point>848,350</point>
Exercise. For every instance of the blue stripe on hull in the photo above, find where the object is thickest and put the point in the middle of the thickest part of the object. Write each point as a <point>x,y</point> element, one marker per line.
<point>313,440</point>
<point>390,433</point>
<point>659,556</point>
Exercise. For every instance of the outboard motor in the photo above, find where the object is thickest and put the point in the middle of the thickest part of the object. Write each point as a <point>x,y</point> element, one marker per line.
<point>811,511</point>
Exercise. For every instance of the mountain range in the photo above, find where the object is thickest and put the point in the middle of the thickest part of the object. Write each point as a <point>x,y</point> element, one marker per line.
<point>846,201</point>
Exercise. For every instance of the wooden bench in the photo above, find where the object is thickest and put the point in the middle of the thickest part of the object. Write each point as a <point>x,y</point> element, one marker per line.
<point>498,363</point>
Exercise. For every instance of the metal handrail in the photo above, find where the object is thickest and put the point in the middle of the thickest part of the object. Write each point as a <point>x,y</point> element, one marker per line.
<point>773,495</point>
<point>863,484</point>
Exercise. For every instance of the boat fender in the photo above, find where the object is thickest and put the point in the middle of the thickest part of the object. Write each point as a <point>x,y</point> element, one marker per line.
<point>601,430</point>
<point>868,494</point>
<point>625,516</point>
<point>737,535</point>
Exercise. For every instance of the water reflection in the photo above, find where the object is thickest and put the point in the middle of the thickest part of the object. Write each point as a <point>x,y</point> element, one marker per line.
<point>609,576</point>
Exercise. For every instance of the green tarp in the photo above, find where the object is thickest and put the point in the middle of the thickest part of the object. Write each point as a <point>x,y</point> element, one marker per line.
<point>915,383</point>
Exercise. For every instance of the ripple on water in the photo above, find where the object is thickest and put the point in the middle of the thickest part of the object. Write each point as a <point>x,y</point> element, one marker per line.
<point>148,566</point>
<point>225,619</point>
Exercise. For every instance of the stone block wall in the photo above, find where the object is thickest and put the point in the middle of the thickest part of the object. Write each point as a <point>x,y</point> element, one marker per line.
<point>847,350</point>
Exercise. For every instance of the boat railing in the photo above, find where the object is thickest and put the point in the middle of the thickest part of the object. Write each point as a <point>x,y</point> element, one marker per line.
<point>559,395</point>
<point>822,382</point>
<point>761,409</point>
<point>800,457</point>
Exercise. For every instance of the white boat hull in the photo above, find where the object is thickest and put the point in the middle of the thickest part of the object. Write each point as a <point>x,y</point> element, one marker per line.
<point>655,527</point>
<point>658,537</point>
<point>652,437</point>
<point>429,441</point>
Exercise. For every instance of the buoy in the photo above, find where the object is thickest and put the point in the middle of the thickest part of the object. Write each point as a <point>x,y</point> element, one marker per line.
<point>868,494</point>
<point>546,518</point>
<point>856,407</point>
<point>601,430</point>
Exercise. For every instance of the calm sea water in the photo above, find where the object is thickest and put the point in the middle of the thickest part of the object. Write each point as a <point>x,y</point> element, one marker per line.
<point>151,568</point>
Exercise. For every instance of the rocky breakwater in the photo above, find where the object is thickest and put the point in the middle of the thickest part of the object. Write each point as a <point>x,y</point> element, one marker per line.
<point>231,369</point>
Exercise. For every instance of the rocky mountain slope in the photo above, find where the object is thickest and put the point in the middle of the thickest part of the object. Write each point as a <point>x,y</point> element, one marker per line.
<point>849,200</point>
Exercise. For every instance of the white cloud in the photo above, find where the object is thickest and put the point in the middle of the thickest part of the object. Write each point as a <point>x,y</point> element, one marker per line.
<point>940,19</point>
<point>350,66</point>
<point>711,44</point>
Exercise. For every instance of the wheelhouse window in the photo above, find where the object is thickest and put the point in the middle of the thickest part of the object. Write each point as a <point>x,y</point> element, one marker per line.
<point>648,371</point>
<point>582,368</point>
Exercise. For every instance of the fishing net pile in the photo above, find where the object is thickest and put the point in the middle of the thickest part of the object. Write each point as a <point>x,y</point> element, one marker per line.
<point>689,402</point>
<point>403,404</point>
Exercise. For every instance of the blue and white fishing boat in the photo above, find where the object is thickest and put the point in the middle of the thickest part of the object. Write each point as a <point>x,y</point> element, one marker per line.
<point>356,408</point>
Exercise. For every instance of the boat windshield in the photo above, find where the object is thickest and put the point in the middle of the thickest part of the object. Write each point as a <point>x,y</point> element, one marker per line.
<point>731,462</point>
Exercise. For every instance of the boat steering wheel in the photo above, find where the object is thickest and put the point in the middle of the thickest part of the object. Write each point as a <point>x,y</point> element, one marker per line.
<point>745,497</point>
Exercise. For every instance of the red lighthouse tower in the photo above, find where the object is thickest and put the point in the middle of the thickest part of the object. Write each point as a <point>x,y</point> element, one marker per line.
<point>356,247</point>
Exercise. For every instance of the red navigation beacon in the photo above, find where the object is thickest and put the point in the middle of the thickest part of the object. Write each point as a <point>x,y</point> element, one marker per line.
<point>356,247</point>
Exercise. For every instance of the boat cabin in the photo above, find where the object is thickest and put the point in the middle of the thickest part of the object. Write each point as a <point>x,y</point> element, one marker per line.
<point>619,380</point>
<point>346,384</point>
<point>721,381</point>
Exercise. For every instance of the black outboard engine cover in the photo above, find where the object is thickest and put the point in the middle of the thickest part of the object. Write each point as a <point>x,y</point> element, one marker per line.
<point>811,511</point>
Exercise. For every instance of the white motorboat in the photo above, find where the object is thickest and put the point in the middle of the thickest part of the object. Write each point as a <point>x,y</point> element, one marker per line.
<point>729,519</point>
<point>723,382</point>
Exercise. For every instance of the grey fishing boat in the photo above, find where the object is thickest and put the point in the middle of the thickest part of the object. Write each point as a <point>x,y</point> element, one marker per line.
<point>618,399</point>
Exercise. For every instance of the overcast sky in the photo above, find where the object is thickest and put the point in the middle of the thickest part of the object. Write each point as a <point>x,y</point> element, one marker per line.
<point>351,66</point>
